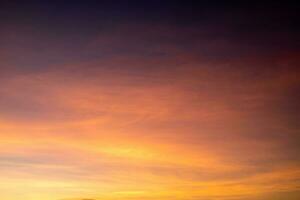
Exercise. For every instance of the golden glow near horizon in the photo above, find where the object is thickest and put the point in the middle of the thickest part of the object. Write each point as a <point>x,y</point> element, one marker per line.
<point>192,135</point>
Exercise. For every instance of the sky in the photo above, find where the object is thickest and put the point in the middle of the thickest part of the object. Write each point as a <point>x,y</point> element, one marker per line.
<point>149,100</point>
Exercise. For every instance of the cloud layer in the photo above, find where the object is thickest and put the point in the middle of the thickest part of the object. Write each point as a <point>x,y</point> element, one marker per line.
<point>146,111</point>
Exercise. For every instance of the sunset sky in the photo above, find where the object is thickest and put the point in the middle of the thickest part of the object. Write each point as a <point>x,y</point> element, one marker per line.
<point>149,100</point>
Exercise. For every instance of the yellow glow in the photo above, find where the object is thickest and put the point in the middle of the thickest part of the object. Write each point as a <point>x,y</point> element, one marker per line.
<point>91,139</point>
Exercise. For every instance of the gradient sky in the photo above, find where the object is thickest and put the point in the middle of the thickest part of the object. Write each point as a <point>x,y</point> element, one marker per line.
<point>149,100</point>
